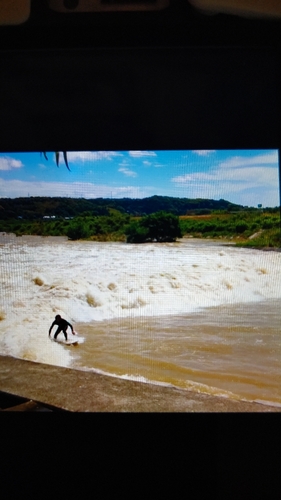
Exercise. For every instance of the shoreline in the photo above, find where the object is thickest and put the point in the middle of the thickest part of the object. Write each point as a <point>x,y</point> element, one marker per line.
<point>228,241</point>
<point>80,391</point>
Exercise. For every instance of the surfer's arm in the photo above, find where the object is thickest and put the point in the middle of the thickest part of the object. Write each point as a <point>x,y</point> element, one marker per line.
<point>71,327</point>
<point>50,329</point>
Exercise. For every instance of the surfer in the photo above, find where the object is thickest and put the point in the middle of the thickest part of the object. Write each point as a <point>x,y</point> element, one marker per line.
<point>62,326</point>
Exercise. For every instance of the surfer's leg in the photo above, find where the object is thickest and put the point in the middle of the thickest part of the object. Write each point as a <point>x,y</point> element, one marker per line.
<point>65,334</point>
<point>59,329</point>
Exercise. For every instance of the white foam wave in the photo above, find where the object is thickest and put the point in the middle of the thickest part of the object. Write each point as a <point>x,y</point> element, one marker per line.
<point>267,403</point>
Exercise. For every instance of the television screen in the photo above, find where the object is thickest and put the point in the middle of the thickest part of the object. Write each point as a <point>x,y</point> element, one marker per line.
<point>164,262</point>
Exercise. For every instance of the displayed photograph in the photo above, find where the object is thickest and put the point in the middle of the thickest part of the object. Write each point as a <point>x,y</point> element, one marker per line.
<point>158,267</point>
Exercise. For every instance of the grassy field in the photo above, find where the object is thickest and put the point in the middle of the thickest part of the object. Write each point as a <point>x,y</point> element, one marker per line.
<point>247,228</point>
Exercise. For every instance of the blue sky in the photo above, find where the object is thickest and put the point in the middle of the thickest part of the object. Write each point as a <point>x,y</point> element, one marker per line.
<point>244,177</point>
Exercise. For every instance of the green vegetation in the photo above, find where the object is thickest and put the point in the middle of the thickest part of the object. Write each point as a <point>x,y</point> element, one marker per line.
<point>251,228</point>
<point>267,239</point>
<point>159,227</point>
<point>36,207</point>
<point>135,222</point>
<point>85,226</point>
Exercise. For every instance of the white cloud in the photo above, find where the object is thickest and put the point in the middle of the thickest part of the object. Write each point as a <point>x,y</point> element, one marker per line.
<point>204,152</point>
<point>140,154</point>
<point>125,163</point>
<point>91,155</point>
<point>16,188</point>
<point>239,177</point>
<point>127,172</point>
<point>258,160</point>
<point>8,163</point>
<point>242,180</point>
<point>151,163</point>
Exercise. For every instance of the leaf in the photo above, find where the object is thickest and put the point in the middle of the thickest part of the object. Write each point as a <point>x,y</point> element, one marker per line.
<point>57,155</point>
<point>65,159</point>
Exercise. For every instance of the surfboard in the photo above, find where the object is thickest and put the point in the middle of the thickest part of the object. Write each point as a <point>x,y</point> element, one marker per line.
<point>71,341</point>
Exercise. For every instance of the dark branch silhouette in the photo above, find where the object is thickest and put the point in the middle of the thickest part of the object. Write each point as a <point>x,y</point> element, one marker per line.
<point>57,153</point>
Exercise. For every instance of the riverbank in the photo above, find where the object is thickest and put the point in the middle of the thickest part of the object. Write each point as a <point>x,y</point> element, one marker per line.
<point>79,391</point>
<point>247,227</point>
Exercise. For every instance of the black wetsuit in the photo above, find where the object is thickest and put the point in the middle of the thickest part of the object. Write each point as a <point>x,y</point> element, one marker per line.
<point>62,327</point>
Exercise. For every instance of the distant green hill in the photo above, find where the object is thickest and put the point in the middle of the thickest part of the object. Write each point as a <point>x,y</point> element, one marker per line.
<point>36,207</point>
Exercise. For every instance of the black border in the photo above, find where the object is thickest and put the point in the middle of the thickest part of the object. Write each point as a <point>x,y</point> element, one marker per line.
<point>139,98</point>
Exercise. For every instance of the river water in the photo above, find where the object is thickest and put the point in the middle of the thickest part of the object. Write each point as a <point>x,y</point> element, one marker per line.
<point>196,314</point>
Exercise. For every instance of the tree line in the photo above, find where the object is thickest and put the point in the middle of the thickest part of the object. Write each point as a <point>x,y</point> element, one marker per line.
<point>35,207</point>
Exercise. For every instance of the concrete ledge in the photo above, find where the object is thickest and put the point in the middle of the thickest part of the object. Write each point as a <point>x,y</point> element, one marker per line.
<point>79,391</point>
